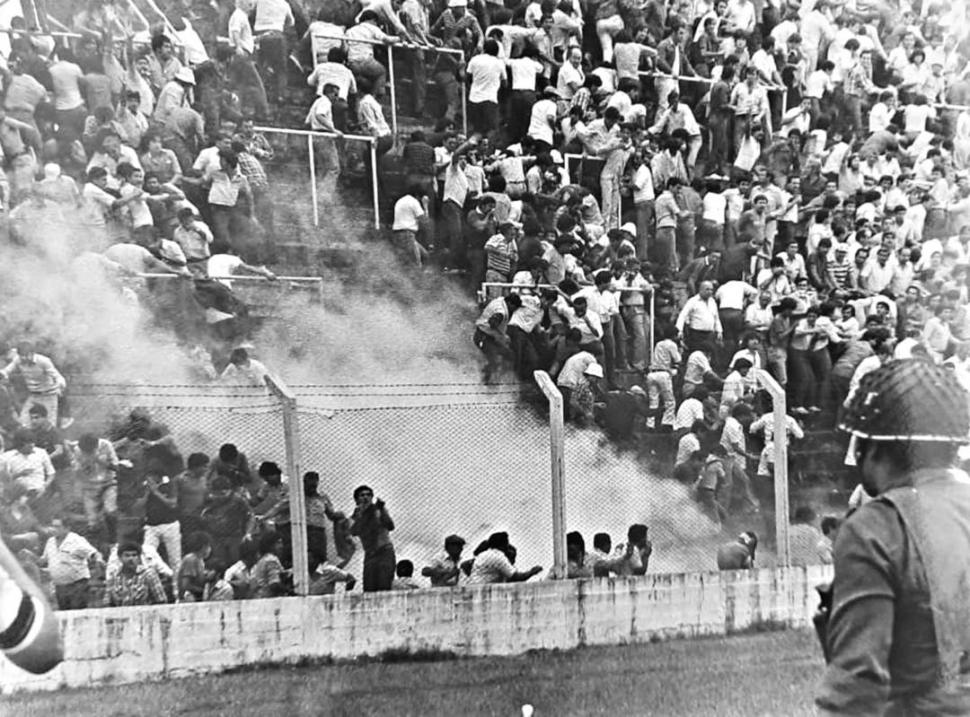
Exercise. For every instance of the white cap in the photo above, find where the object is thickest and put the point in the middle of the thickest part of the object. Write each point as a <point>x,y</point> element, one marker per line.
<point>172,252</point>
<point>594,369</point>
<point>457,3</point>
<point>185,75</point>
<point>630,228</point>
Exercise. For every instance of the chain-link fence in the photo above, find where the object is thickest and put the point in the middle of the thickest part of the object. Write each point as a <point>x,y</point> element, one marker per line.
<point>460,458</point>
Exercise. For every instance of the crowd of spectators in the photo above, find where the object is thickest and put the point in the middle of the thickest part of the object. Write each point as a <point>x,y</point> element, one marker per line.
<point>786,184</point>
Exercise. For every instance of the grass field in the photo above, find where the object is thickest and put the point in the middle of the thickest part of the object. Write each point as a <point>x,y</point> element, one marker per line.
<point>771,673</point>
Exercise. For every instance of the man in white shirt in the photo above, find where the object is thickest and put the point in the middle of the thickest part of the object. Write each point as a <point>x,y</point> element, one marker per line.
<point>699,322</point>
<point>732,297</point>
<point>67,556</point>
<point>241,73</point>
<point>273,17</point>
<point>321,119</point>
<point>494,566</point>
<point>27,465</point>
<point>410,211</point>
<point>542,121</point>
<point>487,73</point>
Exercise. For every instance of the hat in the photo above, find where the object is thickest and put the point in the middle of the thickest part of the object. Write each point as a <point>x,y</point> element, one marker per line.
<point>630,228</point>
<point>171,252</point>
<point>185,75</point>
<point>638,391</point>
<point>454,540</point>
<point>595,370</point>
<point>457,3</point>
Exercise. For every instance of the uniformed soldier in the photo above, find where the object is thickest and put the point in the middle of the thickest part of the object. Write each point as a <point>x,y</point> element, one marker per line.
<point>897,638</point>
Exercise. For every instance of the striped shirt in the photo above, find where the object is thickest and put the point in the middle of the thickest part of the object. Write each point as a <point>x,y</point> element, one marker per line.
<point>500,254</point>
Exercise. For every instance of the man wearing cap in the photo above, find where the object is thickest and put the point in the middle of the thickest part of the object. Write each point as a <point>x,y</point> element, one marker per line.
<point>897,633</point>
<point>445,568</point>
<point>176,93</point>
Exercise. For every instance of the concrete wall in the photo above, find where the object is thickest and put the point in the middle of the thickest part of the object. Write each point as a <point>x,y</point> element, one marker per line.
<point>116,646</point>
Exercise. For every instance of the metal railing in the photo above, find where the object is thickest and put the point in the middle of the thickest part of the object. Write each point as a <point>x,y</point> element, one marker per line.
<point>310,134</point>
<point>483,297</point>
<point>390,70</point>
<point>314,283</point>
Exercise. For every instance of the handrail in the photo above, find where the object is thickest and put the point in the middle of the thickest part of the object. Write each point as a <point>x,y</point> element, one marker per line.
<point>405,45</point>
<point>310,134</point>
<point>316,133</point>
<point>702,80</point>
<point>243,278</point>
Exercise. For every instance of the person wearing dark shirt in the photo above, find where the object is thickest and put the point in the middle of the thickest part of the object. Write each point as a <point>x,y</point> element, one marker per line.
<point>232,464</point>
<point>896,625</point>
<point>621,412</point>
<point>162,517</point>
<point>192,491</point>
<point>228,520</point>
<point>688,471</point>
<point>48,437</point>
<point>736,261</point>
<point>738,555</point>
<point>372,523</point>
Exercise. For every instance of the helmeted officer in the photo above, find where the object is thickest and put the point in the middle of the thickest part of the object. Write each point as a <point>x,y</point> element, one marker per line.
<point>898,632</point>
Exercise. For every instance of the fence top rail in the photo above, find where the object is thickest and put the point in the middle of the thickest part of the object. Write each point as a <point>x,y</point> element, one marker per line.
<point>39,33</point>
<point>315,133</point>
<point>406,45</point>
<point>256,279</point>
<point>509,285</point>
<point>702,80</point>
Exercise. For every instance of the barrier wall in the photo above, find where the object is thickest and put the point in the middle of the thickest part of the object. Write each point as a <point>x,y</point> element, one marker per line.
<point>116,646</point>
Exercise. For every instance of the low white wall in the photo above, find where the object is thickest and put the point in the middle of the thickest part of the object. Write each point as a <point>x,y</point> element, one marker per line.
<point>114,646</point>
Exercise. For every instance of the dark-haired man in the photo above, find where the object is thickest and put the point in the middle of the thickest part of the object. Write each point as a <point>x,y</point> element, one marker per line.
<point>372,524</point>
<point>135,583</point>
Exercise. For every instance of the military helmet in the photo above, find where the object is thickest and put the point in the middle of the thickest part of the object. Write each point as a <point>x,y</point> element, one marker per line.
<point>909,400</point>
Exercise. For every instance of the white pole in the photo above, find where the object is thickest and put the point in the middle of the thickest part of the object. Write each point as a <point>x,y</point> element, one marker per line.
<point>556,449</point>
<point>653,326</point>
<point>313,180</point>
<point>373,181</point>
<point>464,108</point>
<point>780,420</point>
<point>390,77</point>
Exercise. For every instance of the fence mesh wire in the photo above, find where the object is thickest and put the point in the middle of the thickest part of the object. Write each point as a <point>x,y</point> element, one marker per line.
<point>448,459</point>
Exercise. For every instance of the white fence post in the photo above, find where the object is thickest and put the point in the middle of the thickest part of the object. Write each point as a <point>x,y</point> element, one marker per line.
<point>556,447</point>
<point>291,434</point>
<point>780,421</point>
